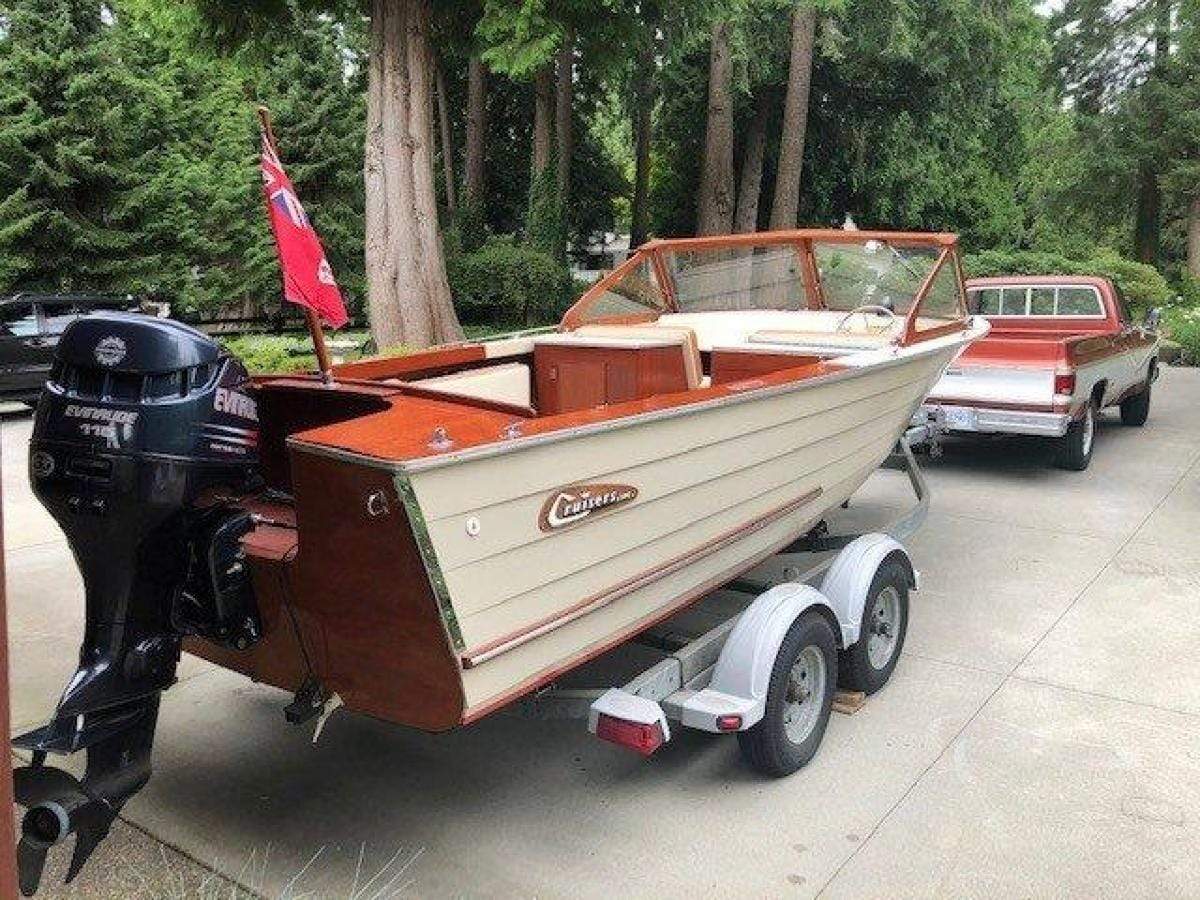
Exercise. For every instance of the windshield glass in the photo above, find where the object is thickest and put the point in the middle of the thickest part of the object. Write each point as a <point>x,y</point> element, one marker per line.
<point>839,271</point>
<point>875,273</point>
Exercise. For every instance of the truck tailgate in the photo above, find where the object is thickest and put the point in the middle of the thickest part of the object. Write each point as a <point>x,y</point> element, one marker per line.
<point>994,383</point>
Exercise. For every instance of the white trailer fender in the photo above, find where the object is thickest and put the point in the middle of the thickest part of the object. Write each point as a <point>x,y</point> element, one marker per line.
<point>743,670</point>
<point>849,579</point>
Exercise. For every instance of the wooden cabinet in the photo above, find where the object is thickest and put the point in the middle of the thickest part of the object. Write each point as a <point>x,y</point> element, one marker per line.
<point>575,374</point>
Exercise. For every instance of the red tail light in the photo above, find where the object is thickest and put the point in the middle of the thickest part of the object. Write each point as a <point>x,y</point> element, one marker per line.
<point>1064,383</point>
<point>644,739</point>
<point>730,722</point>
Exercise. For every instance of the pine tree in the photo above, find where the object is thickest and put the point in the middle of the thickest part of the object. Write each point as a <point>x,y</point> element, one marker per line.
<point>71,142</point>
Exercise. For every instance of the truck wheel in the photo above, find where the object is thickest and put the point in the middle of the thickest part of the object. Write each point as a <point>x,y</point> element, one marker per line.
<point>799,699</point>
<point>1136,409</point>
<point>1075,447</point>
<point>867,665</point>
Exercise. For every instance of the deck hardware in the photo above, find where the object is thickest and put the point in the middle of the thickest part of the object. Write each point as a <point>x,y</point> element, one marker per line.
<point>473,526</point>
<point>377,504</point>
<point>440,439</point>
<point>511,431</point>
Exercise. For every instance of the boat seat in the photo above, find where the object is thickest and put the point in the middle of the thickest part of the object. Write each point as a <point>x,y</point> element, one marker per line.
<point>686,337</point>
<point>506,383</point>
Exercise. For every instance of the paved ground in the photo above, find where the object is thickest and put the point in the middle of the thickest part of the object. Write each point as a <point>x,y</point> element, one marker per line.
<point>1040,738</point>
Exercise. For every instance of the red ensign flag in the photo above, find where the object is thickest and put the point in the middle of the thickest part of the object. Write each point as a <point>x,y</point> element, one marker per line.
<point>307,278</point>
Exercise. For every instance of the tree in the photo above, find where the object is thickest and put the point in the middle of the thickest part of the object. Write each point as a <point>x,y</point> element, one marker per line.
<point>745,219</point>
<point>74,131</point>
<point>795,118</point>
<point>447,142</point>
<point>474,171</point>
<point>409,299</point>
<point>642,116</point>
<point>563,93</point>
<point>716,202</point>
<point>1111,58</point>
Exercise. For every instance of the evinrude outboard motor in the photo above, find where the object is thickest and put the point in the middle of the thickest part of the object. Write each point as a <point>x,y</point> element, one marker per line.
<point>143,436</point>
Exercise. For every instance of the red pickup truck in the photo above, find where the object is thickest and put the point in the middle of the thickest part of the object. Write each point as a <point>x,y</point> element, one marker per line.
<point>1060,350</point>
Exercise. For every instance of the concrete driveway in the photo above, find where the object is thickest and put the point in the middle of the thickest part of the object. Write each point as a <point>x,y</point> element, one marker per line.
<point>1040,737</point>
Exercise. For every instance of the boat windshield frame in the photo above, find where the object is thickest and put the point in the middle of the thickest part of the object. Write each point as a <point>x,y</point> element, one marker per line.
<point>647,285</point>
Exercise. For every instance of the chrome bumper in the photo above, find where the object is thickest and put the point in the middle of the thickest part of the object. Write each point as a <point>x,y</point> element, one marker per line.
<point>981,420</point>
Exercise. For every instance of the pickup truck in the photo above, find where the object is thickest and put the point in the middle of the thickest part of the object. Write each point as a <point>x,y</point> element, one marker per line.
<point>1060,350</point>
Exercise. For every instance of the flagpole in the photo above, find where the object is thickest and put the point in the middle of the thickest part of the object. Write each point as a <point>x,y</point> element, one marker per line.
<point>311,318</point>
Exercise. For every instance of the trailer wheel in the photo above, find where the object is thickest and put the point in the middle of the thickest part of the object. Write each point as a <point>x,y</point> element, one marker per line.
<point>799,699</point>
<point>1136,409</point>
<point>868,664</point>
<point>1075,447</point>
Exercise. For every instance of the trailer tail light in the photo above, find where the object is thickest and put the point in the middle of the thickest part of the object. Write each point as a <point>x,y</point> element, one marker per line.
<point>729,723</point>
<point>642,738</point>
<point>1064,383</point>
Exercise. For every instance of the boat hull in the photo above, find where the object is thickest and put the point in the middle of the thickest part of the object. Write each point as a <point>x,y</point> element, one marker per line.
<point>431,594</point>
<point>717,490</point>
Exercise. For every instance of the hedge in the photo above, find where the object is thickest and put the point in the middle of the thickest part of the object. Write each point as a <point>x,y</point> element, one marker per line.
<point>507,283</point>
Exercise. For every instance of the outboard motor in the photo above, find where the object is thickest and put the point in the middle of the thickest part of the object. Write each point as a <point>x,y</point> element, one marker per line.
<point>144,435</point>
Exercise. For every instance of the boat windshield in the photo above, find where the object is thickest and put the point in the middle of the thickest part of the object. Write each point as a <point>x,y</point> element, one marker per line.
<point>690,277</point>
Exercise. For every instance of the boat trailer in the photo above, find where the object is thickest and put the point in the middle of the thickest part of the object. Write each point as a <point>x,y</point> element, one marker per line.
<point>724,679</point>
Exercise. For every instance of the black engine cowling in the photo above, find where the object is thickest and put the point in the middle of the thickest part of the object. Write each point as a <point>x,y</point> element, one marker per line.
<point>143,436</point>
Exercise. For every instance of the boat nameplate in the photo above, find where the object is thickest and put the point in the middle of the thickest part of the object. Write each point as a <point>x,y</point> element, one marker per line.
<point>576,502</point>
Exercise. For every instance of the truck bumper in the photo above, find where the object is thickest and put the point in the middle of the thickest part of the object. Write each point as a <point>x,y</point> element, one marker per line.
<point>983,420</point>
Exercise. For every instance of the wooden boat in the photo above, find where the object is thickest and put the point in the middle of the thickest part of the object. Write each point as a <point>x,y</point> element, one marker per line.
<point>432,536</point>
<point>455,528</point>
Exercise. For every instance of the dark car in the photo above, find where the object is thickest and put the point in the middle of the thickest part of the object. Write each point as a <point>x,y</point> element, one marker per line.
<point>30,325</point>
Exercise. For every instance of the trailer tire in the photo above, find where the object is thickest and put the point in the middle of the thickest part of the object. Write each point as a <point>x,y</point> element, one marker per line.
<point>790,731</point>
<point>1075,447</point>
<point>1135,410</point>
<point>886,608</point>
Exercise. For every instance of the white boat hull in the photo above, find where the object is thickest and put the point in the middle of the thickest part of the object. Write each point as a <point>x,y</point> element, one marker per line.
<point>719,489</point>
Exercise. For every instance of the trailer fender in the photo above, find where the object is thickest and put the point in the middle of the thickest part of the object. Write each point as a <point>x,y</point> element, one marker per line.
<point>849,578</point>
<point>743,670</point>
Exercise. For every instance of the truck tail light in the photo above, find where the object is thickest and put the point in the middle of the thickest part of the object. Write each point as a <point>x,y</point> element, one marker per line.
<point>1064,383</point>
<point>643,739</point>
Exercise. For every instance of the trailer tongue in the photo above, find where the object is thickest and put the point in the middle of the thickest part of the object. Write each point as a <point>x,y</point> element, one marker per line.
<point>142,427</point>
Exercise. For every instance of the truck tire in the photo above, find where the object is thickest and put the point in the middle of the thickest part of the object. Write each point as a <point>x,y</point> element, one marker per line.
<point>868,664</point>
<point>1075,447</point>
<point>1136,409</point>
<point>799,699</point>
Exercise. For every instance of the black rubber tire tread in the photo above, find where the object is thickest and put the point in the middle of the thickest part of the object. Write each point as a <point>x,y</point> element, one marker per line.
<point>766,746</point>
<point>1071,453</point>
<point>1135,410</point>
<point>855,671</point>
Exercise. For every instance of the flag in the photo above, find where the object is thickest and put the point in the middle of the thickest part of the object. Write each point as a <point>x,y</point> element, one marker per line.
<point>307,278</point>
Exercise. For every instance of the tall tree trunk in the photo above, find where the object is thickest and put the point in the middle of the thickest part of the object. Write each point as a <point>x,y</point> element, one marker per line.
<point>714,214</point>
<point>1193,237</point>
<point>643,103</point>
<point>1149,206</point>
<point>745,219</point>
<point>473,181</point>
<point>786,205</point>
<point>563,96</point>
<point>543,103</point>
<point>1148,224</point>
<point>409,299</point>
<point>447,142</point>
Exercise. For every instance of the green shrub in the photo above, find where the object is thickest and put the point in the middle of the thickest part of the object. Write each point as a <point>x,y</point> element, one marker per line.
<point>504,283</point>
<point>1143,285</point>
<point>1183,327</point>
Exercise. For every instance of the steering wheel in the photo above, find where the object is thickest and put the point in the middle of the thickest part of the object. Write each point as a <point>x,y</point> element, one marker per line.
<point>863,310</point>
